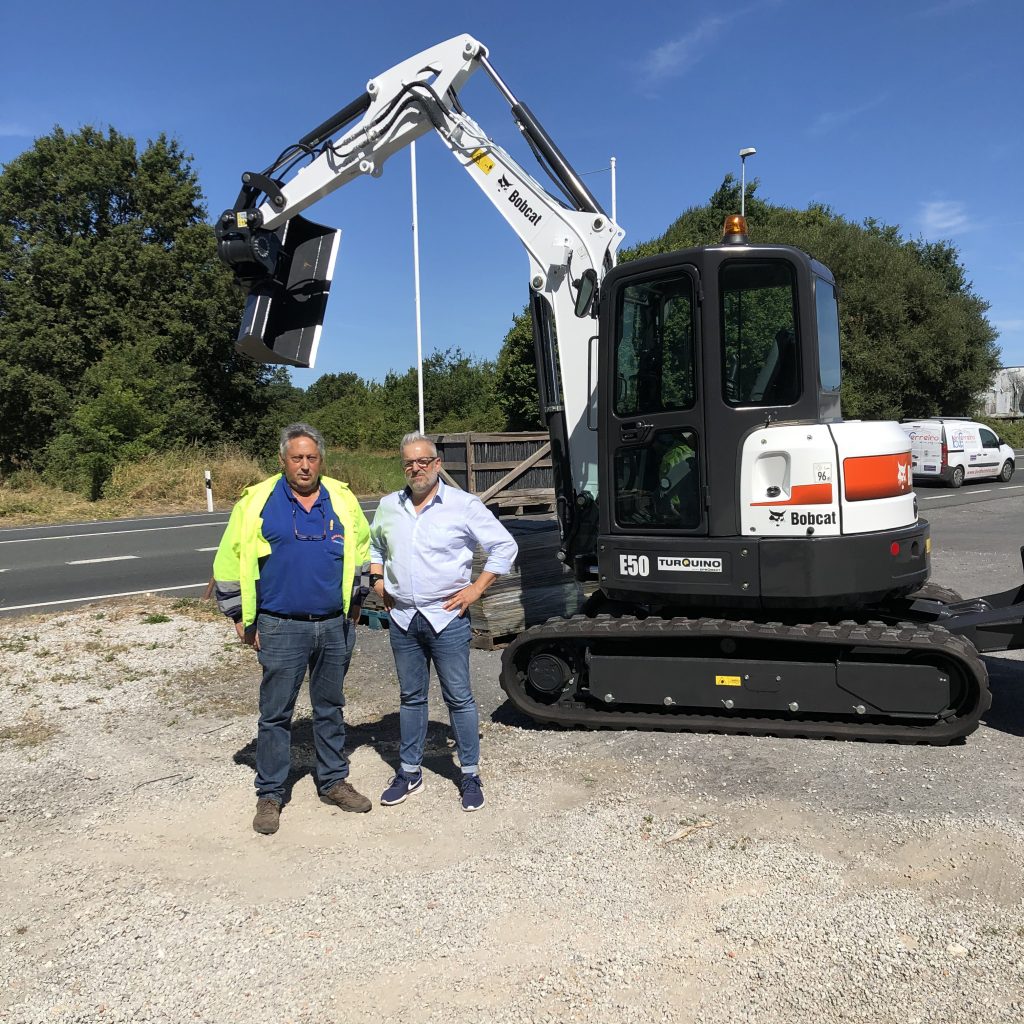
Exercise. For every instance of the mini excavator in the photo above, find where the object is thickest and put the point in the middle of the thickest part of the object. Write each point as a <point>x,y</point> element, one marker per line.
<point>760,564</point>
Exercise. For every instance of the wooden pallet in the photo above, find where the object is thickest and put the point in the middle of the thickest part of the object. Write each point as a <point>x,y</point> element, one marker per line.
<point>487,642</point>
<point>375,618</point>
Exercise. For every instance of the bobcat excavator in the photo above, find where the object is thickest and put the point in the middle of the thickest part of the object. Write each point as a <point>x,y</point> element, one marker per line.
<point>759,562</point>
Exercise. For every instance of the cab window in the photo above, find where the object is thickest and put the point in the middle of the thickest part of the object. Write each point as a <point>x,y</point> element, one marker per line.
<point>827,309</point>
<point>655,366</point>
<point>988,439</point>
<point>760,357</point>
<point>657,485</point>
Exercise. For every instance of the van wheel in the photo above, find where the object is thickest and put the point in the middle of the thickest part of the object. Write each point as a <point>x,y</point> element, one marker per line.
<point>957,478</point>
<point>1007,471</point>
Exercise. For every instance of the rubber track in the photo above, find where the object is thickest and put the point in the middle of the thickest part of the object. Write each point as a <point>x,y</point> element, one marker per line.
<point>912,638</point>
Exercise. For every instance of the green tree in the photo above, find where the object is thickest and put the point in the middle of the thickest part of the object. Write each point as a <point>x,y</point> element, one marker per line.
<point>516,376</point>
<point>915,338</point>
<point>112,298</point>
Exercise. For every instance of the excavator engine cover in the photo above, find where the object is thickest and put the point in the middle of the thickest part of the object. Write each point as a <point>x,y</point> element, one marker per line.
<point>284,312</point>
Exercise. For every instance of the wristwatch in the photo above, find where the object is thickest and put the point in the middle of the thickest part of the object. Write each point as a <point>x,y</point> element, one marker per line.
<point>375,578</point>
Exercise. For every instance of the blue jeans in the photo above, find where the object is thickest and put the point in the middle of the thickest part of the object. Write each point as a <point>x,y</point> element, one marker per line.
<point>414,650</point>
<point>287,649</point>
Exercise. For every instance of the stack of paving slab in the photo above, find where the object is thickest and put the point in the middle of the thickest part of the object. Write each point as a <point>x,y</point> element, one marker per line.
<point>538,587</point>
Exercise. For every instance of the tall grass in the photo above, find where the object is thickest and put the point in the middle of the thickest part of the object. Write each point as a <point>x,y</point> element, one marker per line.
<point>177,477</point>
<point>174,481</point>
<point>367,473</point>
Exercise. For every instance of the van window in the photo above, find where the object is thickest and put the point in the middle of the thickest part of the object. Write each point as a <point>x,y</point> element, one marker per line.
<point>988,439</point>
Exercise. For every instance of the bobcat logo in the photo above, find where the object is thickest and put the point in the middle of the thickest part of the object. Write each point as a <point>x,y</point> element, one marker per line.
<point>776,517</point>
<point>504,184</point>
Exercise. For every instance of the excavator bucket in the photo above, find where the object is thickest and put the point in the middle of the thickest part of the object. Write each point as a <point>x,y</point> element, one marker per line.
<point>284,313</point>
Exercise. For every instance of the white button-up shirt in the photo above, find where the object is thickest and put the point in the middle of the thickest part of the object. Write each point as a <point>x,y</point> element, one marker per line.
<point>428,558</point>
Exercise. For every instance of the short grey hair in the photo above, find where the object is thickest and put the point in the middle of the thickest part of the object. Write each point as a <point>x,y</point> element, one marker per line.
<point>294,430</point>
<point>413,438</point>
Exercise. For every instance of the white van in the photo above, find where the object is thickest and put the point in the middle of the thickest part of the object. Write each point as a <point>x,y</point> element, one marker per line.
<point>953,450</point>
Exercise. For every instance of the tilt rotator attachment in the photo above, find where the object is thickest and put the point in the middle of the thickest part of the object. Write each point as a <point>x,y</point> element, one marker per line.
<point>288,273</point>
<point>992,623</point>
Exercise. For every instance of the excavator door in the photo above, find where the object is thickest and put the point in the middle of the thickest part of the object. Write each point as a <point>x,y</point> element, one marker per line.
<point>654,420</point>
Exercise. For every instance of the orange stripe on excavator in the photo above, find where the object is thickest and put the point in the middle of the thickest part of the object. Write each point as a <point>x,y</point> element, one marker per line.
<point>802,494</point>
<point>876,476</point>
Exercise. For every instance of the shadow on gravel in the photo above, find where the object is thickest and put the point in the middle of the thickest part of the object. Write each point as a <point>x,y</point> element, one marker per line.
<point>507,714</point>
<point>382,736</point>
<point>1006,679</point>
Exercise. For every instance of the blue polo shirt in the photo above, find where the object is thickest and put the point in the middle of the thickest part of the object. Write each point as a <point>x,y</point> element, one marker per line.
<point>303,572</point>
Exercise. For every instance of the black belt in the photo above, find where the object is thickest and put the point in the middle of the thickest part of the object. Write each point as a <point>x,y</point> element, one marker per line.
<point>303,618</point>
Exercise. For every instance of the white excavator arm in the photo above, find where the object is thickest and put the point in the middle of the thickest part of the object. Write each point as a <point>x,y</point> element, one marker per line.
<point>288,262</point>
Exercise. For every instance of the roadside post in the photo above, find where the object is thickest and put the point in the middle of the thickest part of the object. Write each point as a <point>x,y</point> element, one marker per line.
<point>209,492</point>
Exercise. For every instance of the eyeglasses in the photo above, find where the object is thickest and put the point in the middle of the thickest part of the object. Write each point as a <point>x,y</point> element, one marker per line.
<point>408,464</point>
<point>302,536</point>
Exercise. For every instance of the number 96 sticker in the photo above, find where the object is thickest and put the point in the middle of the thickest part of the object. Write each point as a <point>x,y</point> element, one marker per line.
<point>823,472</point>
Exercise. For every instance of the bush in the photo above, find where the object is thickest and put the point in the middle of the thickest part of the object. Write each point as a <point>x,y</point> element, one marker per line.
<point>1011,431</point>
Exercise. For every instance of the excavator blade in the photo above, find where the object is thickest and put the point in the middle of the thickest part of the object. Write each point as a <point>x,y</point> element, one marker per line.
<point>284,314</point>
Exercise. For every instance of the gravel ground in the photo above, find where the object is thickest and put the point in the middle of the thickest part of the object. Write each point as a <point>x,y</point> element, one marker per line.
<point>612,876</point>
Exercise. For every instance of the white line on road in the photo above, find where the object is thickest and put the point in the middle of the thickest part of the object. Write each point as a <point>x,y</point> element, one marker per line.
<point>1011,487</point>
<point>214,548</point>
<point>108,533</point>
<point>99,597</point>
<point>985,491</point>
<point>109,522</point>
<point>93,561</point>
<point>934,497</point>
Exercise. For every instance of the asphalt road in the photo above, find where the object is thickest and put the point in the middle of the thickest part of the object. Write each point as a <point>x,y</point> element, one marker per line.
<point>54,567</point>
<point>977,532</point>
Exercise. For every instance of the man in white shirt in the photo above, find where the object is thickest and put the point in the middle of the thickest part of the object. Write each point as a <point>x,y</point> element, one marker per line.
<point>421,554</point>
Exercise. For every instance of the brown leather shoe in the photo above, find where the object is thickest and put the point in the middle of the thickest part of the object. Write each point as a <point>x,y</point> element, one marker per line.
<point>342,795</point>
<point>268,816</point>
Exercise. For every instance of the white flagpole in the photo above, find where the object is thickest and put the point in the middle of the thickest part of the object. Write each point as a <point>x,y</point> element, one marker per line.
<point>416,283</point>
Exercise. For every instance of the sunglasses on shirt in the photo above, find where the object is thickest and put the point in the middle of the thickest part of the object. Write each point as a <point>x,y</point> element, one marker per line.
<point>303,536</point>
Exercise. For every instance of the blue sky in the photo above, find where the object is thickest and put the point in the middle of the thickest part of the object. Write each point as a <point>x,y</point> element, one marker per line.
<point>908,112</point>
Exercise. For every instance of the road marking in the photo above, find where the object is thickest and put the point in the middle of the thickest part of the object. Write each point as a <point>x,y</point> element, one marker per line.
<point>1011,487</point>
<point>214,548</point>
<point>93,561</point>
<point>100,597</point>
<point>110,522</point>
<point>108,533</point>
<point>985,491</point>
<point>935,497</point>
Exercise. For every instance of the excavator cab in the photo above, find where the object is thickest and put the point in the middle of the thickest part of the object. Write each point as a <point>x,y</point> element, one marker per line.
<point>720,479</point>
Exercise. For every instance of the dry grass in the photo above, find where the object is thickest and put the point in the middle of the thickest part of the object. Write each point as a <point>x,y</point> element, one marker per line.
<point>174,482</point>
<point>178,477</point>
<point>31,731</point>
<point>158,485</point>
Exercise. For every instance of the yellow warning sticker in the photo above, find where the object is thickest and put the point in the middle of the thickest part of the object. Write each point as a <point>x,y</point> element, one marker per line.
<point>928,545</point>
<point>482,160</point>
<point>727,681</point>
<point>242,218</point>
